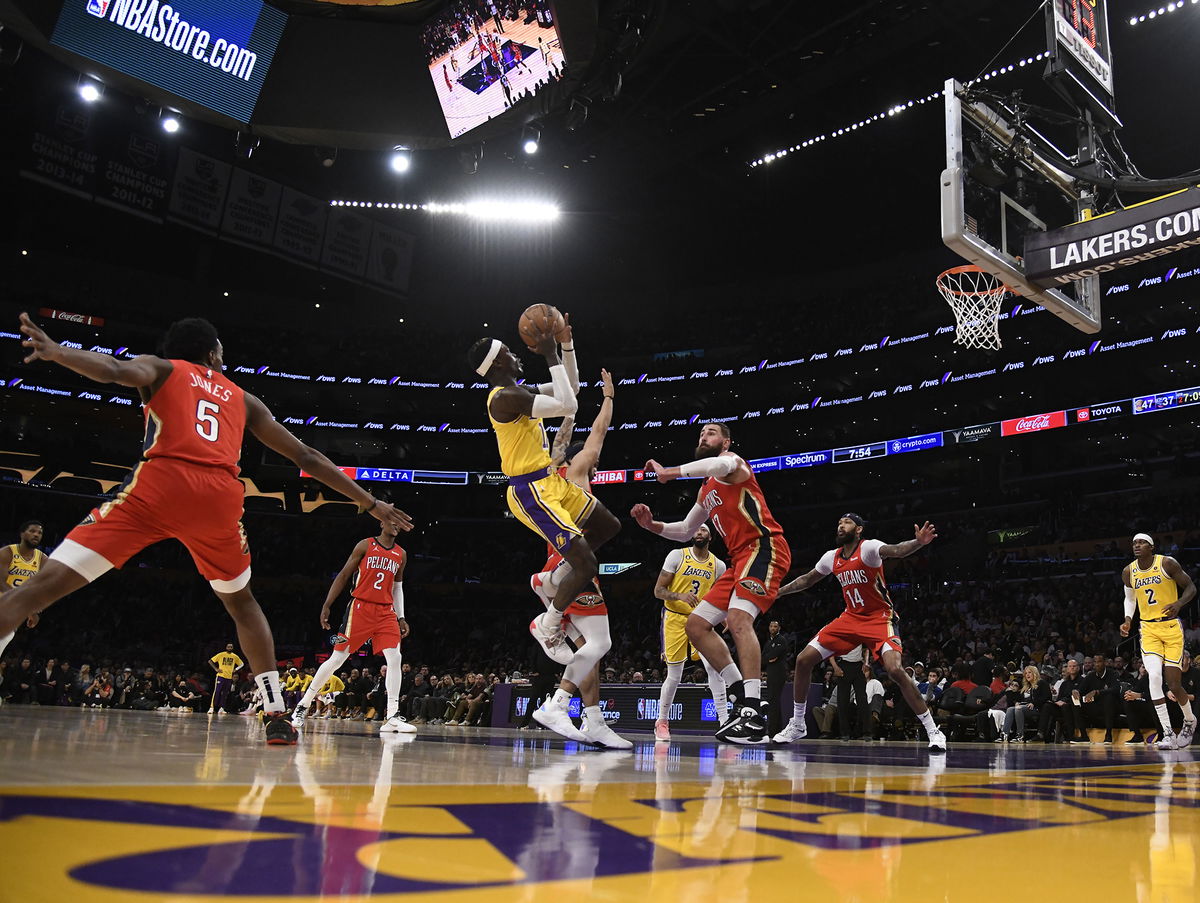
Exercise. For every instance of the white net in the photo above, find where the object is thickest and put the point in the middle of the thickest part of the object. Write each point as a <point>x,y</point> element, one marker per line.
<point>974,295</point>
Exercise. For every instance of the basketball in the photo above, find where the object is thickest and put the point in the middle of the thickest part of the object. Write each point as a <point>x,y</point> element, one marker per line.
<point>538,320</point>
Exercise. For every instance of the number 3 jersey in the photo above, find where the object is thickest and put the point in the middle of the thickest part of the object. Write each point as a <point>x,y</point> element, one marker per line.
<point>864,589</point>
<point>377,573</point>
<point>197,415</point>
<point>691,575</point>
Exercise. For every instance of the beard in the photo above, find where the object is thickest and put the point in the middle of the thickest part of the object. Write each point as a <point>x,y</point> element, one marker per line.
<point>706,451</point>
<point>700,544</point>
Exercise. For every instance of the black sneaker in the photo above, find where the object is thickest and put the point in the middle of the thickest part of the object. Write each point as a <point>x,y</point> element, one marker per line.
<point>746,727</point>
<point>280,730</point>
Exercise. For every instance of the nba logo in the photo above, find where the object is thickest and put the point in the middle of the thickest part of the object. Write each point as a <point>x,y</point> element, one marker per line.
<point>98,7</point>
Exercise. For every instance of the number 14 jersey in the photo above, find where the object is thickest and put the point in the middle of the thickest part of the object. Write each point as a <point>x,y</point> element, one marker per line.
<point>864,589</point>
<point>197,415</point>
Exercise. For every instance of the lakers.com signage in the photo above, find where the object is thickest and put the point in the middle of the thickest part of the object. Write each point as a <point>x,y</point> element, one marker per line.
<point>211,52</point>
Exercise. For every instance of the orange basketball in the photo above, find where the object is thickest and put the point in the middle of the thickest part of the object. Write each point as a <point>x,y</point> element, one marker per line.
<point>538,320</point>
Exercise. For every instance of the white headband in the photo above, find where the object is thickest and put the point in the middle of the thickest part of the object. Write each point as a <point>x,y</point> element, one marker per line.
<point>489,358</point>
<point>1145,536</point>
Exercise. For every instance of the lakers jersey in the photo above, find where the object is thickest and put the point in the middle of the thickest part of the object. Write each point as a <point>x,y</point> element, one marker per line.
<point>227,663</point>
<point>21,569</point>
<point>692,575</point>
<point>523,445</point>
<point>1153,589</point>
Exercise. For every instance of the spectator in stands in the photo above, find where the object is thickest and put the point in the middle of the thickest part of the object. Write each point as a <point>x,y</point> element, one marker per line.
<point>1030,701</point>
<point>851,685</point>
<point>826,712</point>
<point>416,698</point>
<point>184,697</point>
<point>1068,701</point>
<point>1101,691</point>
<point>24,683</point>
<point>1139,711</point>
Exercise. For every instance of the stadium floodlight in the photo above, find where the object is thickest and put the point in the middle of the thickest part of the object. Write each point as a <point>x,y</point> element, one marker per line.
<point>401,159</point>
<point>90,89</point>
<point>169,120</point>
<point>531,137</point>
<point>327,155</point>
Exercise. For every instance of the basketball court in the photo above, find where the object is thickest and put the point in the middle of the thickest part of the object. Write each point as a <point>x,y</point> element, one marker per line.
<point>192,808</point>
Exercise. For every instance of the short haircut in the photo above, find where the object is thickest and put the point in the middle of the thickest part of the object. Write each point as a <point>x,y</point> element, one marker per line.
<point>31,523</point>
<point>477,353</point>
<point>190,340</point>
<point>572,450</point>
<point>723,427</point>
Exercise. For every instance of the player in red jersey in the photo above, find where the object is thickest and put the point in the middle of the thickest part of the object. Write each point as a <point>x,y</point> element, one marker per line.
<point>186,486</point>
<point>869,619</point>
<point>375,613</point>
<point>586,619</point>
<point>731,497</point>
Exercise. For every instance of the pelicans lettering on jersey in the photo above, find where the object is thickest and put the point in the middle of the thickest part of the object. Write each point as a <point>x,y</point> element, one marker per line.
<point>371,615</point>
<point>21,568</point>
<point>869,617</point>
<point>186,486</point>
<point>759,552</point>
<point>1154,590</point>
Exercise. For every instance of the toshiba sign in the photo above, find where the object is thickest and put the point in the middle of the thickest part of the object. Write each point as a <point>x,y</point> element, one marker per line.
<point>1033,424</point>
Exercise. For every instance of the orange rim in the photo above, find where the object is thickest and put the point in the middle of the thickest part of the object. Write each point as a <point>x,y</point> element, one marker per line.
<point>969,268</point>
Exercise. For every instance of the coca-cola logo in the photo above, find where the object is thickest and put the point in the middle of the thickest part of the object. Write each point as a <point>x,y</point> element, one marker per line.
<point>1034,423</point>
<point>70,317</point>
<point>63,315</point>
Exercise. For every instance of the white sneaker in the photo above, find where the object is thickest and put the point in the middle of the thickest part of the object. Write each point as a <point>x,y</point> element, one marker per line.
<point>1184,737</point>
<point>662,730</point>
<point>394,725</point>
<point>211,712</point>
<point>792,731</point>
<point>1169,741</point>
<point>299,714</point>
<point>937,741</point>
<point>603,735</point>
<point>553,642</point>
<point>560,722</point>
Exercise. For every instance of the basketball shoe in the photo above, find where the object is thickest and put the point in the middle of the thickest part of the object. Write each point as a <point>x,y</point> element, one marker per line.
<point>600,734</point>
<point>396,725</point>
<point>553,642</point>
<point>746,727</point>
<point>662,731</point>
<point>792,731</point>
<point>299,714</point>
<point>280,730</point>
<point>1186,733</point>
<point>551,716</point>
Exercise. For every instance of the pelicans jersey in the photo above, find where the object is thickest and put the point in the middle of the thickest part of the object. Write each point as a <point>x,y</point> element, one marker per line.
<point>760,554</point>
<point>1154,590</point>
<point>227,663</point>
<point>370,615</point>
<point>198,416</point>
<point>543,500</point>
<point>869,617</point>
<point>21,568</point>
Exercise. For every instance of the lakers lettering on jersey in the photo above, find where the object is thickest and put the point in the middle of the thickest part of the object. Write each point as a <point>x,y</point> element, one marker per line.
<point>21,568</point>
<point>1153,589</point>
<point>524,448</point>
<point>691,575</point>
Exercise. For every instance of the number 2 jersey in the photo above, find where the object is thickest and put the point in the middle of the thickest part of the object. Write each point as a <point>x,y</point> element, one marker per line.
<point>378,572</point>
<point>197,415</point>
<point>864,589</point>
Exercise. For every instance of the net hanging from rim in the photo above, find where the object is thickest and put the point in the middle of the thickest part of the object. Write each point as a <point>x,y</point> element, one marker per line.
<point>974,295</point>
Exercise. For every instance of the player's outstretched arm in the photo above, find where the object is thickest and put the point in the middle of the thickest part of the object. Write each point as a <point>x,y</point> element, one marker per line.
<point>261,422</point>
<point>583,462</point>
<point>143,371</point>
<point>721,466</point>
<point>562,441</point>
<point>339,582</point>
<point>801,583</point>
<point>678,531</point>
<point>1187,589</point>
<point>924,535</point>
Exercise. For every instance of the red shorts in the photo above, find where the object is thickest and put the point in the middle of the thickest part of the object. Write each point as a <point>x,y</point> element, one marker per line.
<point>847,631</point>
<point>575,608</point>
<point>369,621</point>
<point>166,498</point>
<point>756,575</point>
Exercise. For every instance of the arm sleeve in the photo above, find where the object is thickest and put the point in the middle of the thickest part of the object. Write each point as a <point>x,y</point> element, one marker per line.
<point>686,528</point>
<point>1130,602</point>
<point>824,566</point>
<point>398,598</point>
<point>720,466</point>
<point>870,552</point>
<point>720,568</point>
<point>673,560</point>
<point>571,364</point>
<point>559,404</point>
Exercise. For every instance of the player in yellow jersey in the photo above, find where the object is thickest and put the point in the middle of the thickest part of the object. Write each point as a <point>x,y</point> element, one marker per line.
<point>686,576</point>
<point>327,695</point>
<point>563,514</point>
<point>19,562</point>
<point>226,664</point>
<point>1157,587</point>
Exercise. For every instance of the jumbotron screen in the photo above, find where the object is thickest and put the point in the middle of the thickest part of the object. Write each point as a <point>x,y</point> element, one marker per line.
<point>482,63</point>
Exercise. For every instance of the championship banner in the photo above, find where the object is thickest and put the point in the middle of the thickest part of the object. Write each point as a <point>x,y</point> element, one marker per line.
<point>300,230</point>
<point>251,209</point>
<point>1106,243</point>
<point>347,240</point>
<point>390,260</point>
<point>198,195</point>
<point>134,171</point>
<point>62,152</point>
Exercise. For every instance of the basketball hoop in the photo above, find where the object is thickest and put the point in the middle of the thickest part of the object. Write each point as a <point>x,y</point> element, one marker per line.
<point>974,295</point>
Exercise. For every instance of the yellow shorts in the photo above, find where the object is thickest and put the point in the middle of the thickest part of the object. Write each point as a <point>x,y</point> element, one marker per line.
<point>1164,639</point>
<point>676,648</point>
<point>553,507</point>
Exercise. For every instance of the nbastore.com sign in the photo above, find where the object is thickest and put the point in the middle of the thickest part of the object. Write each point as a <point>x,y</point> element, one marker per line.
<point>212,52</point>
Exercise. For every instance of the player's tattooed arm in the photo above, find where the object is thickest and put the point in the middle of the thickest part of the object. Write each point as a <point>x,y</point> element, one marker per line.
<point>801,583</point>
<point>558,452</point>
<point>924,535</point>
<point>1187,589</point>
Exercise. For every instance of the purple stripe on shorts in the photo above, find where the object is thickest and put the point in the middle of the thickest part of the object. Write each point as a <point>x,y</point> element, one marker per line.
<point>545,523</point>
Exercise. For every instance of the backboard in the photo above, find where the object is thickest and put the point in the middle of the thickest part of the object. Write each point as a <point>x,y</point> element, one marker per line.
<point>997,189</point>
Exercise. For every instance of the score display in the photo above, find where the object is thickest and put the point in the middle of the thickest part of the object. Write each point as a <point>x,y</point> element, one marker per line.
<point>1078,41</point>
<point>213,52</point>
